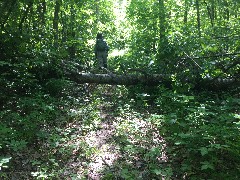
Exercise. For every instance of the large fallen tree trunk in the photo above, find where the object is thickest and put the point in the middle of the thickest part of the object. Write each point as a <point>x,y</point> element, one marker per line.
<point>130,79</point>
<point>152,80</point>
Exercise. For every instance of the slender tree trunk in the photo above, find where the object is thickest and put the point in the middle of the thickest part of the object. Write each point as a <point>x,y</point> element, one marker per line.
<point>226,11</point>
<point>210,13</point>
<point>213,9</point>
<point>97,12</point>
<point>72,48</point>
<point>64,27</point>
<point>40,23</point>
<point>236,9</point>
<point>41,9</point>
<point>162,19</point>
<point>55,22</point>
<point>5,18</point>
<point>198,18</point>
<point>165,51</point>
<point>226,22</point>
<point>24,16</point>
<point>32,23</point>
<point>185,12</point>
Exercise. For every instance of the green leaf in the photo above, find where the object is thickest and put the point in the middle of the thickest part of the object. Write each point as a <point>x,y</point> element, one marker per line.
<point>178,143</point>
<point>204,151</point>
<point>206,165</point>
<point>4,161</point>
<point>157,171</point>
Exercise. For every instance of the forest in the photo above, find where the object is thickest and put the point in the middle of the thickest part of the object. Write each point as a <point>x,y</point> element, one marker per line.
<point>166,107</point>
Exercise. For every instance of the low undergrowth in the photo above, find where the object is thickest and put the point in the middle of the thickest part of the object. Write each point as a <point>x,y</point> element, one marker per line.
<point>117,132</point>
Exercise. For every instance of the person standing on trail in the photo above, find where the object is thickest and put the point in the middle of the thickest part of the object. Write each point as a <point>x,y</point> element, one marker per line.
<point>101,51</point>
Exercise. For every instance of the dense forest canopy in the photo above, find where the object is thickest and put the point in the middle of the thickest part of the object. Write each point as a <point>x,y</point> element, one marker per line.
<point>51,99</point>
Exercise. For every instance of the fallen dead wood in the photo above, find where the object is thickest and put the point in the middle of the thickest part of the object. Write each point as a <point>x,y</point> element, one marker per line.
<point>152,80</point>
<point>130,79</point>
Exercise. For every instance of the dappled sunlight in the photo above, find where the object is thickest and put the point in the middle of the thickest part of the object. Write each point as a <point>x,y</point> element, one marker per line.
<point>91,42</point>
<point>143,142</point>
<point>129,139</point>
<point>119,89</point>
<point>106,151</point>
<point>120,11</point>
<point>117,52</point>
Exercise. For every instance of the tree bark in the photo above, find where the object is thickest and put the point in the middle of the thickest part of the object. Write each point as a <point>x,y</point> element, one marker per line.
<point>24,16</point>
<point>198,18</point>
<point>186,12</point>
<point>4,19</point>
<point>151,80</point>
<point>56,21</point>
<point>210,12</point>
<point>130,79</point>
<point>162,19</point>
<point>41,11</point>
<point>72,48</point>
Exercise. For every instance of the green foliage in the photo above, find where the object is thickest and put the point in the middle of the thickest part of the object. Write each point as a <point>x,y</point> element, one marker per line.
<point>4,161</point>
<point>201,134</point>
<point>47,122</point>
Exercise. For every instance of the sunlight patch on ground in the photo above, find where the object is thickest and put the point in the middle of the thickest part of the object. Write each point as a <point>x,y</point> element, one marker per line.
<point>107,152</point>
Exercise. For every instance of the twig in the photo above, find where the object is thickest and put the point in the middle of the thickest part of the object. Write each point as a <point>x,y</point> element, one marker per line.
<point>192,60</point>
<point>218,55</point>
<point>105,162</point>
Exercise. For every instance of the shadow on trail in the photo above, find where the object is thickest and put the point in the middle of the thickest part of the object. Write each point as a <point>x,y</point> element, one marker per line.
<point>112,132</point>
<point>172,139</point>
<point>129,146</point>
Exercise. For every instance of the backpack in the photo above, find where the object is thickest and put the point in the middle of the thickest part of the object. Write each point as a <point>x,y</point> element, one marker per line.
<point>101,45</point>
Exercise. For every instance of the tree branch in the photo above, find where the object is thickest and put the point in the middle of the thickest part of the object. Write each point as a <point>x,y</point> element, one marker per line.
<point>205,57</point>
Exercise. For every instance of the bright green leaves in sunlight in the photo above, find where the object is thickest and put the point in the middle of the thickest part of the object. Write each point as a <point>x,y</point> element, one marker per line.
<point>4,161</point>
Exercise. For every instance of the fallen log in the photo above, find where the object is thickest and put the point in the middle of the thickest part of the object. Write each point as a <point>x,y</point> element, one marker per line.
<point>130,79</point>
<point>152,80</point>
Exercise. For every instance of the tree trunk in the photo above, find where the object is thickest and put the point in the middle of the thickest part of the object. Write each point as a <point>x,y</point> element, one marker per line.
<point>162,19</point>
<point>130,79</point>
<point>41,9</point>
<point>198,18</point>
<point>97,11</point>
<point>185,12</point>
<point>151,80</point>
<point>64,27</point>
<point>41,13</point>
<point>24,16</point>
<point>210,12</point>
<point>4,19</point>
<point>55,22</point>
<point>72,47</point>
<point>226,11</point>
<point>163,52</point>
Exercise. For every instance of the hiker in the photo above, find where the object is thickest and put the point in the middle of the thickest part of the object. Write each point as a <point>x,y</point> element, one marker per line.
<point>101,51</point>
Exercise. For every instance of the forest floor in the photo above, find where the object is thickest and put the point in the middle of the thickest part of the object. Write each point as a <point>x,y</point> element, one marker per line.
<point>106,139</point>
<point>118,143</point>
<point>112,132</point>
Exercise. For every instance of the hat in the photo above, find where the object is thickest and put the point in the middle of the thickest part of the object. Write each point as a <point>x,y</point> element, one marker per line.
<point>99,36</point>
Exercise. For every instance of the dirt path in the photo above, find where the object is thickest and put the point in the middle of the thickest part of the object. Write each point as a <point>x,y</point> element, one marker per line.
<point>115,140</point>
<point>107,152</point>
<point>121,145</point>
